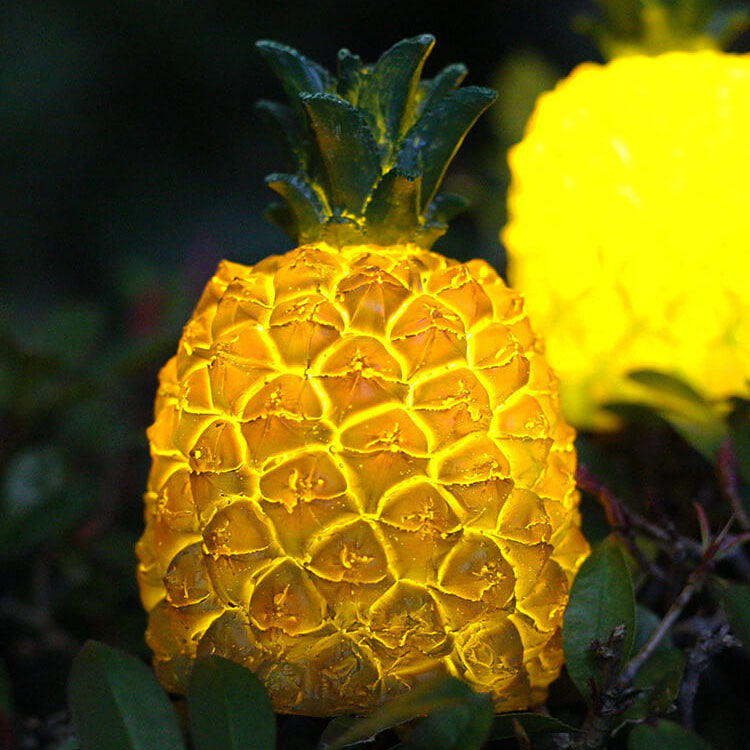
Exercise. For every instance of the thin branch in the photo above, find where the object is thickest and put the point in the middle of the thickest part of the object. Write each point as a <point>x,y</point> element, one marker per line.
<point>623,519</point>
<point>711,641</point>
<point>634,666</point>
<point>728,470</point>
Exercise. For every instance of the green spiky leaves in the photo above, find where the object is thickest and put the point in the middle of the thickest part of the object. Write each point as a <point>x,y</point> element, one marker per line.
<point>370,145</point>
<point>652,27</point>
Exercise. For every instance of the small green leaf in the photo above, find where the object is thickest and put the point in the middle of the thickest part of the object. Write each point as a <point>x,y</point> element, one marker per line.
<point>665,735</point>
<point>229,708</point>
<point>435,695</point>
<point>117,703</point>
<point>502,728</point>
<point>279,213</point>
<point>283,122</point>
<point>447,80</point>
<point>735,598</point>
<point>394,206</point>
<point>305,207</point>
<point>349,71</point>
<point>667,384</point>
<point>462,727</point>
<point>390,87</point>
<point>445,207</point>
<point>347,149</point>
<point>430,145</point>
<point>677,402</point>
<point>297,73</point>
<point>600,600</point>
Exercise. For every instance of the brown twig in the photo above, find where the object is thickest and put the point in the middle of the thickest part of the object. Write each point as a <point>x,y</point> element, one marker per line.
<point>625,520</point>
<point>711,641</point>
<point>728,470</point>
<point>634,666</point>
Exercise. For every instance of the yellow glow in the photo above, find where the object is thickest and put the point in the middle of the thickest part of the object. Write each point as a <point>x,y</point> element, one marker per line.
<point>360,479</point>
<point>629,232</point>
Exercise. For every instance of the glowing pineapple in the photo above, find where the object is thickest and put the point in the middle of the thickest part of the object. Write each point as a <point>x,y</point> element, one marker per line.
<point>360,474</point>
<point>628,231</point>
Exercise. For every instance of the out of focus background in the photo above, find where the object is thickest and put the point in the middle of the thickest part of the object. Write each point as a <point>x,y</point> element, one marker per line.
<point>132,162</point>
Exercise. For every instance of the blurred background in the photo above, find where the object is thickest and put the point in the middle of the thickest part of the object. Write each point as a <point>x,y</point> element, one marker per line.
<point>132,162</point>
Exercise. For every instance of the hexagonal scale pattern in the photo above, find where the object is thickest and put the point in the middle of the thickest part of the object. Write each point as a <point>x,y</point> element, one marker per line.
<point>360,479</point>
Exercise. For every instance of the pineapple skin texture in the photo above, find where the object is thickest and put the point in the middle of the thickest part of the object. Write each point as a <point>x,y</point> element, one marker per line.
<point>628,232</point>
<point>360,480</point>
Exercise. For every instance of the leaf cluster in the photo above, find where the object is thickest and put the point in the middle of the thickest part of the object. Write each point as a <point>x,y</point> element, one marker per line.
<point>370,145</point>
<point>117,704</point>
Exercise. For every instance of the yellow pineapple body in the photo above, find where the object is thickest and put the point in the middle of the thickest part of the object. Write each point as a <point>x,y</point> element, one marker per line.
<point>628,231</point>
<point>361,479</point>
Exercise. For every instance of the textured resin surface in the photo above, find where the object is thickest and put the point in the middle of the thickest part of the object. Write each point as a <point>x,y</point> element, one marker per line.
<point>360,480</point>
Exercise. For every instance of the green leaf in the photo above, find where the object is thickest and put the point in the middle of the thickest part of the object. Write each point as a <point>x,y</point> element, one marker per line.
<point>677,402</point>
<point>435,695</point>
<point>445,207</point>
<point>297,73</point>
<point>462,727</point>
<point>117,703</point>
<point>735,599</point>
<point>503,729</point>
<point>667,384</point>
<point>229,708</point>
<point>303,204</point>
<point>665,735</point>
<point>349,71</point>
<point>348,151</point>
<point>447,80</point>
<point>283,122</point>
<point>279,213</point>
<point>390,87</point>
<point>394,206</point>
<point>601,599</point>
<point>432,142</point>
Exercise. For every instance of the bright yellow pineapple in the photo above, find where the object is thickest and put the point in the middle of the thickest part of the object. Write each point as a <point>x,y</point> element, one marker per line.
<point>628,231</point>
<point>360,477</point>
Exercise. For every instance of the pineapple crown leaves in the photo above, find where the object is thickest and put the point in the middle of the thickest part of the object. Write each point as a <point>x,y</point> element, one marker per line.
<point>651,27</point>
<point>370,145</point>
